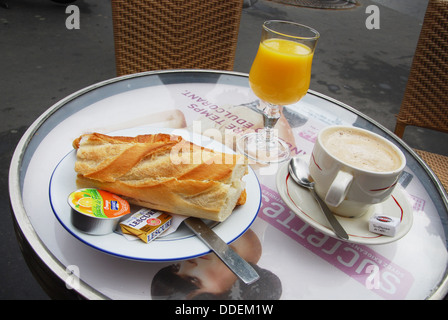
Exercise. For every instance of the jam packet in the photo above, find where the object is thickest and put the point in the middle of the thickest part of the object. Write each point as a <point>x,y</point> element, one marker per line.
<point>146,224</point>
<point>98,203</point>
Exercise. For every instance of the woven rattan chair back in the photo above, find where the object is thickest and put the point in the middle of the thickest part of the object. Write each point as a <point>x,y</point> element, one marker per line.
<point>425,102</point>
<point>175,34</point>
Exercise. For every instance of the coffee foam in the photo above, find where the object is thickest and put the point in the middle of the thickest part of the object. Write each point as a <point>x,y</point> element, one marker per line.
<point>361,150</point>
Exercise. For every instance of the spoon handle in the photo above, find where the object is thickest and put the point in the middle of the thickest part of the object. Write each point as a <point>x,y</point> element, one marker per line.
<point>340,232</point>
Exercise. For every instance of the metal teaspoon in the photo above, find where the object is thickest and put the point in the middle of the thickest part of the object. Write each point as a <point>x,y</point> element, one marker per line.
<point>298,169</point>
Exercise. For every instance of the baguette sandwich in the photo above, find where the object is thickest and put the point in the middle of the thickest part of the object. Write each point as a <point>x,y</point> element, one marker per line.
<point>162,172</point>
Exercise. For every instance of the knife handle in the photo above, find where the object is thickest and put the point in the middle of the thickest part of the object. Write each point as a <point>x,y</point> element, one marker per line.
<point>240,267</point>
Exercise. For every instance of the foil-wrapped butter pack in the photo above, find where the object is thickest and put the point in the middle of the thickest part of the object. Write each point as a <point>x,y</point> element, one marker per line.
<point>146,224</point>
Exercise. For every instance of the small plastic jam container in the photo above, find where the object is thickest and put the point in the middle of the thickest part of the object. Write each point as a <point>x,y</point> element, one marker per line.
<point>96,212</point>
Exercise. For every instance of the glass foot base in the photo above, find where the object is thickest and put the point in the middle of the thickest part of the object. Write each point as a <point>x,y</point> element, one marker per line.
<point>255,147</point>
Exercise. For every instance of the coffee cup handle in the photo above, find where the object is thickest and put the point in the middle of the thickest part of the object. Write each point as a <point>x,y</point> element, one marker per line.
<point>339,188</point>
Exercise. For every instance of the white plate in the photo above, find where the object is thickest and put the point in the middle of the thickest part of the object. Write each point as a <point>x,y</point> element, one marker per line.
<point>182,244</point>
<point>302,203</point>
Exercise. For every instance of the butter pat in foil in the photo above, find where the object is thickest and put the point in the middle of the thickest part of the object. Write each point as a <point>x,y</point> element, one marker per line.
<point>146,224</point>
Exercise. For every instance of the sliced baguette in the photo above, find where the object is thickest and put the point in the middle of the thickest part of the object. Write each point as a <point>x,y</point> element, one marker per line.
<point>163,172</point>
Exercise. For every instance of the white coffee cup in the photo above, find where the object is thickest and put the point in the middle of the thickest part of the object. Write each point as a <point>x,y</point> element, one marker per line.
<point>354,169</point>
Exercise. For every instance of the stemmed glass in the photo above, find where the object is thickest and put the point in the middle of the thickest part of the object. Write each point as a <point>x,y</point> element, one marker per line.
<point>280,75</point>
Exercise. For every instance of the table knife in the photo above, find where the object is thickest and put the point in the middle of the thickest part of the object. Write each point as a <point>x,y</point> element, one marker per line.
<point>240,267</point>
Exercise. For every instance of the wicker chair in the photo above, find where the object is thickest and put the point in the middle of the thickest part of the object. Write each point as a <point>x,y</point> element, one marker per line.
<point>425,102</point>
<point>175,34</point>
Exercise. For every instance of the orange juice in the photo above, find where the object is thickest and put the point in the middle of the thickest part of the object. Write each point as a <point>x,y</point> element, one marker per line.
<point>281,71</point>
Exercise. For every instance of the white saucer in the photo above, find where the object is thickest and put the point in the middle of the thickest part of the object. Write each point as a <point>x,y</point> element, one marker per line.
<point>302,203</point>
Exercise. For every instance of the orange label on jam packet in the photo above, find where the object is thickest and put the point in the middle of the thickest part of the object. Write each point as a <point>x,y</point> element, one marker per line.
<point>98,203</point>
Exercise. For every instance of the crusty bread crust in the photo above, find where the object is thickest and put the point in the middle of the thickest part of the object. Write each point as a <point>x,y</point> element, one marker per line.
<point>163,172</point>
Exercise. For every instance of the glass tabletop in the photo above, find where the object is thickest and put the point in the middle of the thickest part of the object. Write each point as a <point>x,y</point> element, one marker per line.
<point>299,261</point>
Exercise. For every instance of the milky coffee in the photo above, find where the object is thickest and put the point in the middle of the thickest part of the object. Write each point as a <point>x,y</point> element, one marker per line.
<point>361,150</point>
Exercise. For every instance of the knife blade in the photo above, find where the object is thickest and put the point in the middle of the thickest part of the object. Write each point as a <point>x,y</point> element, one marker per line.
<point>240,267</point>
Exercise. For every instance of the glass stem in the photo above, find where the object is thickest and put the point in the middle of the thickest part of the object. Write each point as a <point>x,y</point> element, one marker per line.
<point>271,114</point>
